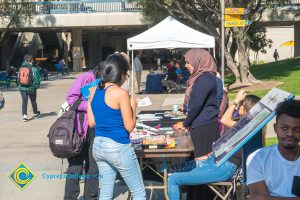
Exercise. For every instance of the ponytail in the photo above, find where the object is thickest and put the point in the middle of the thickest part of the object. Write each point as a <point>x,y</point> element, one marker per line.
<point>101,84</point>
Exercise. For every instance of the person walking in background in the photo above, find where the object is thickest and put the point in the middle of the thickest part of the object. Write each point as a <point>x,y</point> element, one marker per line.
<point>2,100</point>
<point>64,66</point>
<point>29,81</point>
<point>138,69</point>
<point>113,114</point>
<point>76,163</point>
<point>276,55</point>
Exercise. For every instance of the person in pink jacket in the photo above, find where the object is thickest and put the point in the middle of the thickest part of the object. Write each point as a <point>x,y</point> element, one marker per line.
<point>85,158</point>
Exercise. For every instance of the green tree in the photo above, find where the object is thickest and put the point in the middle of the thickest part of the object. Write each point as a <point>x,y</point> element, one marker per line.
<point>12,14</point>
<point>258,41</point>
<point>205,16</point>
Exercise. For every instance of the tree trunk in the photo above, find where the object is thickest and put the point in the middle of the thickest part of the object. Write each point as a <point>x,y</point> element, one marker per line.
<point>232,66</point>
<point>233,48</point>
<point>243,61</point>
<point>252,79</point>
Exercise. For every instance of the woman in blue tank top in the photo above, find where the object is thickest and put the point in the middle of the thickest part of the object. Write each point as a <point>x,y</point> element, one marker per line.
<point>113,114</point>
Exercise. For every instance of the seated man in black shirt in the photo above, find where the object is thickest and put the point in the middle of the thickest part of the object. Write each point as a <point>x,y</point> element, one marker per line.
<point>171,77</point>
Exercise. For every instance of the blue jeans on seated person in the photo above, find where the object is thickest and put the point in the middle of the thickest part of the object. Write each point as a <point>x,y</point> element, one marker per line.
<point>111,157</point>
<point>197,173</point>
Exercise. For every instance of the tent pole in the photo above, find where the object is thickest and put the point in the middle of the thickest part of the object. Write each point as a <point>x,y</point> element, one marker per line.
<point>132,74</point>
<point>222,39</point>
<point>215,53</point>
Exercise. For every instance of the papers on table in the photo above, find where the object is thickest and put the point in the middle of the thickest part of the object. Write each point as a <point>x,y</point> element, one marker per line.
<point>149,117</point>
<point>145,127</point>
<point>144,102</point>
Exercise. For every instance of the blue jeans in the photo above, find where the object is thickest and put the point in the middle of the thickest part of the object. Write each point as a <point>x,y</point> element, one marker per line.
<point>197,173</point>
<point>111,157</point>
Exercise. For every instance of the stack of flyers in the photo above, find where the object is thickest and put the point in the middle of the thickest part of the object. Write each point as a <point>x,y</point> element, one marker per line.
<point>144,102</point>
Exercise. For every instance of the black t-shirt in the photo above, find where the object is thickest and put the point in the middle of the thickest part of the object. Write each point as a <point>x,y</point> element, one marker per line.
<point>172,74</point>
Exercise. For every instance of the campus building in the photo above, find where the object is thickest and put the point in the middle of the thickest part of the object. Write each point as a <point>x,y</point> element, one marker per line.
<point>85,32</point>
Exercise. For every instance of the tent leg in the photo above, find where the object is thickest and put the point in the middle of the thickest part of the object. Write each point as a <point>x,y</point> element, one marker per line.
<point>132,74</point>
<point>214,53</point>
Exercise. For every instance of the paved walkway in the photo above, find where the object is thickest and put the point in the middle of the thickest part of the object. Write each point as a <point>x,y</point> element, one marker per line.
<point>27,141</point>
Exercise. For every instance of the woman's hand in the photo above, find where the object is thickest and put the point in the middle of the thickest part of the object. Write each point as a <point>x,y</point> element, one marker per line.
<point>179,126</point>
<point>133,102</point>
<point>181,108</point>
<point>203,157</point>
<point>240,96</point>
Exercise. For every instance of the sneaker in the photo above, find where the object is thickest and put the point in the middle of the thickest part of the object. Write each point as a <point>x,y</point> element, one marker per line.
<point>36,115</point>
<point>25,118</point>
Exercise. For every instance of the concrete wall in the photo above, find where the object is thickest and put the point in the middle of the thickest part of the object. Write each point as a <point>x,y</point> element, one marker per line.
<point>99,40</point>
<point>283,14</point>
<point>83,20</point>
<point>278,35</point>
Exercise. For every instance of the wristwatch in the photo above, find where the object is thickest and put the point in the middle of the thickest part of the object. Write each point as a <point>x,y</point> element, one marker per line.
<point>235,103</point>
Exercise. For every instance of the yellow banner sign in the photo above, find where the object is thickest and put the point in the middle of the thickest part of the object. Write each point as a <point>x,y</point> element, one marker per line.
<point>236,11</point>
<point>232,17</point>
<point>237,23</point>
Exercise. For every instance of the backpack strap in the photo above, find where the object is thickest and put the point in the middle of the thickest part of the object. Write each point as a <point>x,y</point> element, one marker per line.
<point>76,104</point>
<point>81,119</point>
<point>81,114</point>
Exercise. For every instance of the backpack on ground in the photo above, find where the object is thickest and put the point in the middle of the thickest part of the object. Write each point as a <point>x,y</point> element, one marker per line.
<point>25,76</point>
<point>64,139</point>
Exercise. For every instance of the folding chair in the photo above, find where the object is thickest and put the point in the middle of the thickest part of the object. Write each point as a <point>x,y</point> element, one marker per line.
<point>230,185</point>
<point>59,68</point>
<point>178,86</point>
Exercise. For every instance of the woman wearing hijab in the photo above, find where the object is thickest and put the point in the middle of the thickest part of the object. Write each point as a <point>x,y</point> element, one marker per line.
<point>201,101</point>
<point>202,110</point>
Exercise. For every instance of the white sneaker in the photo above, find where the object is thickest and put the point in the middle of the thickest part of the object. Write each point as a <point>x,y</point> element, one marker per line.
<point>25,118</point>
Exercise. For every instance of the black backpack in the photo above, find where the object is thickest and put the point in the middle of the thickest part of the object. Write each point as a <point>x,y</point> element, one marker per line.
<point>64,140</point>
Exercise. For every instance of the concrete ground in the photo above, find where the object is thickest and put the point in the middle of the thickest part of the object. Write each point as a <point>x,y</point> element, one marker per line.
<point>27,142</point>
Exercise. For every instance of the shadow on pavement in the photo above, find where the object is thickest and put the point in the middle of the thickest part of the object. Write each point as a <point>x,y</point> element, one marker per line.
<point>47,114</point>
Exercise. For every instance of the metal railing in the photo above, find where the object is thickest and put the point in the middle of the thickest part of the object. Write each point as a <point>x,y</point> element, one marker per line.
<point>81,6</point>
<point>291,2</point>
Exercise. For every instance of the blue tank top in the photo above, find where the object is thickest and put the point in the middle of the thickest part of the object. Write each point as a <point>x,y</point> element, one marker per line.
<point>109,121</point>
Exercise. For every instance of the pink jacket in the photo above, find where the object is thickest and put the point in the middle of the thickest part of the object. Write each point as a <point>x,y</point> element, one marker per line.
<point>74,93</point>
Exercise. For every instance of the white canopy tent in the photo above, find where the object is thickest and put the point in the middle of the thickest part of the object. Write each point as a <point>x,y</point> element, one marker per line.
<point>170,34</point>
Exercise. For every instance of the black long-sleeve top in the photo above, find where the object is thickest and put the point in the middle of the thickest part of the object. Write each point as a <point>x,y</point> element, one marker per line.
<point>202,107</point>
